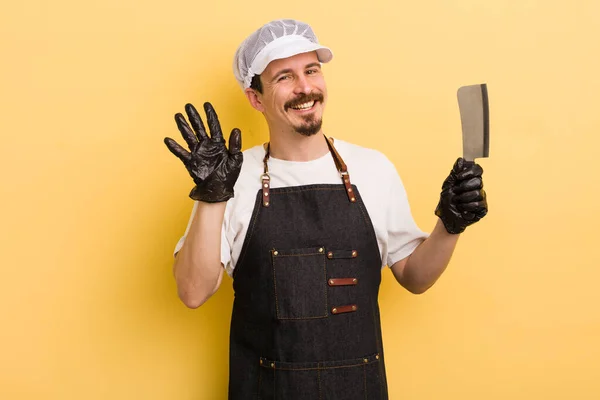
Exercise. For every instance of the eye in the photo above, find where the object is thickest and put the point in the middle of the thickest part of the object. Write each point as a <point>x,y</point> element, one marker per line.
<point>312,71</point>
<point>283,77</point>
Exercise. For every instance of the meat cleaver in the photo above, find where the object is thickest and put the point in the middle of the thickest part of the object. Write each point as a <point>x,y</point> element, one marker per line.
<point>475,120</point>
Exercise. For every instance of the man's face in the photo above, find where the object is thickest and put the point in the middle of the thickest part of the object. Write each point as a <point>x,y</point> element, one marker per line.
<point>294,94</point>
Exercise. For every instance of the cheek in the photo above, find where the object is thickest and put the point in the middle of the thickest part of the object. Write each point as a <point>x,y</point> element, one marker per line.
<point>320,83</point>
<point>269,101</point>
<point>279,98</point>
<point>272,106</point>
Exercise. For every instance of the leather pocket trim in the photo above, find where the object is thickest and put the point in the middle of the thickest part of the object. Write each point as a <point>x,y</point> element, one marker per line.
<point>344,309</point>
<point>342,281</point>
<point>333,254</point>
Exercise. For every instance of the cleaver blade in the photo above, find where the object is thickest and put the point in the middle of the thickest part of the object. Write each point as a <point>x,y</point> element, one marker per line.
<point>475,120</point>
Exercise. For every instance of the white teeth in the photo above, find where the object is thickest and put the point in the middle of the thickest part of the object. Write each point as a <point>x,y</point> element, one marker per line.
<point>304,106</point>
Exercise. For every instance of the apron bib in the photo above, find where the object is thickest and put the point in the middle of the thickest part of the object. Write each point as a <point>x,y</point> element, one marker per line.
<point>305,321</point>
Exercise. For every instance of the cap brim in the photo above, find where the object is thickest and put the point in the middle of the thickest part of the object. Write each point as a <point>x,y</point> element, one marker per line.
<point>289,47</point>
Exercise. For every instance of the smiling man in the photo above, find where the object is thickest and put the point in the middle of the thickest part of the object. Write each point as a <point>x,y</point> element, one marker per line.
<point>304,225</point>
<point>297,84</point>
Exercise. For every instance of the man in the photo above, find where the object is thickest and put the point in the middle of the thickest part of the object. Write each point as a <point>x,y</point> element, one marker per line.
<point>304,225</point>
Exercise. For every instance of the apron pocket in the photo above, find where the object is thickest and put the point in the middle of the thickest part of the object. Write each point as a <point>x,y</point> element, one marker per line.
<point>355,379</point>
<point>300,283</point>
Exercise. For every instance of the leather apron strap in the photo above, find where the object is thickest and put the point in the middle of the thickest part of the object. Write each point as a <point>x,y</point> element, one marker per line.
<point>339,163</point>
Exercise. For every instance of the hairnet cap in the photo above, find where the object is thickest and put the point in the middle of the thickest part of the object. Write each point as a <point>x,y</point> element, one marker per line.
<point>275,40</point>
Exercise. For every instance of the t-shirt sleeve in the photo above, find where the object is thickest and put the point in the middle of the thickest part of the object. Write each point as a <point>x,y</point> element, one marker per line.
<point>403,233</point>
<point>225,238</point>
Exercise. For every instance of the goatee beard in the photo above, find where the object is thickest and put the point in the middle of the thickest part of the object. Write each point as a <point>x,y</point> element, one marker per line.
<point>312,127</point>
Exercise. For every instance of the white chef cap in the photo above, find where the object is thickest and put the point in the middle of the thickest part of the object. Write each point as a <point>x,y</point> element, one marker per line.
<point>275,40</point>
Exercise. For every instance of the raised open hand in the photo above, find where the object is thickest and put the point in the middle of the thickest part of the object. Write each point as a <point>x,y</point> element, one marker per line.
<point>211,165</point>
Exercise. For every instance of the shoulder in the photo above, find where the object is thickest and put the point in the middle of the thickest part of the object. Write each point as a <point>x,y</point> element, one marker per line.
<point>254,155</point>
<point>252,165</point>
<point>364,158</point>
<point>373,173</point>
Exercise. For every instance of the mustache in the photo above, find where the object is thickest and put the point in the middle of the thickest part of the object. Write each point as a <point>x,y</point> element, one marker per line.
<point>304,98</point>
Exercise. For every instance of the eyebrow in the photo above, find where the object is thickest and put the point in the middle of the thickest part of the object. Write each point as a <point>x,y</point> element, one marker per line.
<point>288,70</point>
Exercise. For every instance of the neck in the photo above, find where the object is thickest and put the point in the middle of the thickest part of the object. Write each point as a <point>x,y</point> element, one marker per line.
<point>296,147</point>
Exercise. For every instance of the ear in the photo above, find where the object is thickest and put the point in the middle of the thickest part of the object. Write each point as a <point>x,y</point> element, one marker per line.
<point>255,99</point>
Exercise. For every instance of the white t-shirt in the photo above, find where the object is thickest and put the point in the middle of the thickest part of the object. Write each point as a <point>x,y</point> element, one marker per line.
<point>373,174</point>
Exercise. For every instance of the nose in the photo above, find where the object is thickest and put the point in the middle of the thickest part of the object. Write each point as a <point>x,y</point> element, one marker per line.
<point>302,85</point>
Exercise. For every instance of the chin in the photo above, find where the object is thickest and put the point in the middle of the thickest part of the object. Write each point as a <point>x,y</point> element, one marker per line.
<point>309,129</point>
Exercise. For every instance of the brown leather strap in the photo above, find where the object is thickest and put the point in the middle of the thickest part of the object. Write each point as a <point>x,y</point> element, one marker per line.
<point>339,163</point>
<point>266,179</point>
<point>342,254</point>
<point>344,309</point>
<point>341,166</point>
<point>342,281</point>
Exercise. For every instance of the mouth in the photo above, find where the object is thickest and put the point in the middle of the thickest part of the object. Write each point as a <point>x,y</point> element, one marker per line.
<point>304,103</point>
<point>304,106</point>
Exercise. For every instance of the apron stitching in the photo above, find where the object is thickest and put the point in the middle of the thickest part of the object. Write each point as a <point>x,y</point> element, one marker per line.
<point>254,220</point>
<point>320,367</point>
<point>258,391</point>
<point>369,226</point>
<point>365,375</point>
<point>299,255</point>
<point>275,288</point>
<point>325,286</point>
<point>302,318</point>
<point>319,382</point>
<point>308,190</point>
<point>374,313</point>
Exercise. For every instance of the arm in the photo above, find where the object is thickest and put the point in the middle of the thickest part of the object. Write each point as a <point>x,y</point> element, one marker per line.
<point>198,270</point>
<point>462,203</point>
<point>419,271</point>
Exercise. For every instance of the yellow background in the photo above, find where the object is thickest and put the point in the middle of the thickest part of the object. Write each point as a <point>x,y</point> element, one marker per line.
<point>93,203</point>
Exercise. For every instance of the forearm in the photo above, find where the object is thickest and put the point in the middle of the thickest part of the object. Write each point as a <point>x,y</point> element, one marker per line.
<point>429,260</point>
<point>198,269</point>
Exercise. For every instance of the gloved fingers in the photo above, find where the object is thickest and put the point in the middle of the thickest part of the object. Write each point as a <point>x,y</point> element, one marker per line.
<point>459,165</point>
<point>473,206</point>
<point>213,123</point>
<point>468,185</point>
<point>196,121</point>
<point>468,216</point>
<point>470,170</point>
<point>478,206</point>
<point>186,132</point>
<point>468,197</point>
<point>179,151</point>
<point>481,212</point>
<point>474,215</point>
<point>235,141</point>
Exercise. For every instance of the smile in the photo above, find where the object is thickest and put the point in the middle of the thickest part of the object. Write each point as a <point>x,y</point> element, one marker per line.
<point>304,106</point>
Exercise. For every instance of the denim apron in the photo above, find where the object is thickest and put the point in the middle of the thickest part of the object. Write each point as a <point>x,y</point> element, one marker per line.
<point>305,321</point>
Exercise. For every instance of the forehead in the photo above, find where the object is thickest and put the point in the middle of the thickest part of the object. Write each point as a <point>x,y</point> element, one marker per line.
<point>298,61</point>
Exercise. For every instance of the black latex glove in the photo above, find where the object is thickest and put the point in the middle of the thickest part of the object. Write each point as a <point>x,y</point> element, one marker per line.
<point>463,200</point>
<point>213,168</point>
